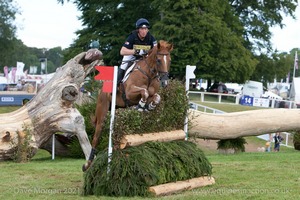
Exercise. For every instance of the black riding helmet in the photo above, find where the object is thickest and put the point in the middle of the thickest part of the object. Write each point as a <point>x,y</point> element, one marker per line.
<point>142,22</point>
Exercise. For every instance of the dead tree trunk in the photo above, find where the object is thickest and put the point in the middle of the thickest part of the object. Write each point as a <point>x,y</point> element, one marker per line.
<point>241,124</point>
<point>51,110</point>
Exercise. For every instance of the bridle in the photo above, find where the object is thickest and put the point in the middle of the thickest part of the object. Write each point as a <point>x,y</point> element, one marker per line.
<point>163,76</point>
<point>155,72</point>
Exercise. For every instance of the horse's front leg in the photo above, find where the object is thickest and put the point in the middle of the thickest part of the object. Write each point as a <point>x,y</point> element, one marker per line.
<point>154,101</point>
<point>102,107</point>
<point>144,94</point>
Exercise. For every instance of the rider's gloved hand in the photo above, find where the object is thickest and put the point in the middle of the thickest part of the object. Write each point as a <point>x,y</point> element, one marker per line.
<point>137,52</point>
<point>140,52</point>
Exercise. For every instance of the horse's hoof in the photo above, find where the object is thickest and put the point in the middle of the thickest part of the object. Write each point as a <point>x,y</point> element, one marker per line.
<point>84,168</point>
<point>139,108</point>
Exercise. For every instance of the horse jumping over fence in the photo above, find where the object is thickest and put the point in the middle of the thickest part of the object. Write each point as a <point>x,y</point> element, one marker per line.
<point>139,89</point>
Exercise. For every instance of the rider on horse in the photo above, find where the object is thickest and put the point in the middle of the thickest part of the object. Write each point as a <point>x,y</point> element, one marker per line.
<point>136,45</point>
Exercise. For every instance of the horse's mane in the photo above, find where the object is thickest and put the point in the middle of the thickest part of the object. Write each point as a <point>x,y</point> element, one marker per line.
<point>152,56</point>
<point>163,45</point>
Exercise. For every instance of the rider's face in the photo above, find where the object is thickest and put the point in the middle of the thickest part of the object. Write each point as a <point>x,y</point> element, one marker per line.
<point>143,32</point>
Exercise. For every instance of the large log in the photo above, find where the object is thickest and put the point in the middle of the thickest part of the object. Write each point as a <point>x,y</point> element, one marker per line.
<point>241,124</point>
<point>52,110</point>
<point>179,186</point>
<point>137,139</point>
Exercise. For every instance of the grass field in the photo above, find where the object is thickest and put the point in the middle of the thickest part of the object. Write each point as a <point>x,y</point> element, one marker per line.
<point>6,109</point>
<point>240,176</point>
<point>258,175</point>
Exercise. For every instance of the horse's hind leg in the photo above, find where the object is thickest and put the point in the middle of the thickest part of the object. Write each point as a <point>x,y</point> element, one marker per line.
<point>155,101</point>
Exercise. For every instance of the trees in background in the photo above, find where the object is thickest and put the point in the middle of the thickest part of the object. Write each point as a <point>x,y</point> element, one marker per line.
<point>13,50</point>
<point>226,40</point>
<point>206,34</point>
<point>7,30</point>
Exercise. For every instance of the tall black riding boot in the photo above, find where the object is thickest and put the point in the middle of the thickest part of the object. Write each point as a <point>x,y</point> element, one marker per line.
<point>121,73</point>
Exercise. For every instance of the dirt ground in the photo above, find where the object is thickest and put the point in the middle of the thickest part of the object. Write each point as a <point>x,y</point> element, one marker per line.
<point>211,145</point>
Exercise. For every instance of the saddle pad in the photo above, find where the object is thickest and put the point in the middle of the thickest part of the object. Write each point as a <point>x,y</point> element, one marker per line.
<point>128,71</point>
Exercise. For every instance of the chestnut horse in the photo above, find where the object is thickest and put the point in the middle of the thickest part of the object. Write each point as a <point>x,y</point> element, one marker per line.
<point>139,88</point>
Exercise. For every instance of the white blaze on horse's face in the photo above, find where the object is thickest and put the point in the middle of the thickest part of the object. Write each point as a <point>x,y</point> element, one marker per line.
<point>165,59</point>
<point>163,62</point>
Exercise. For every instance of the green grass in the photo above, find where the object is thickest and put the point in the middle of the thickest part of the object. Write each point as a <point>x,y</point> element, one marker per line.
<point>212,98</point>
<point>255,176</point>
<point>228,107</point>
<point>240,176</point>
<point>6,109</point>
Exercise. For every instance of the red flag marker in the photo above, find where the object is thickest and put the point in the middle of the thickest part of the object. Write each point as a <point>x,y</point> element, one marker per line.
<point>106,74</point>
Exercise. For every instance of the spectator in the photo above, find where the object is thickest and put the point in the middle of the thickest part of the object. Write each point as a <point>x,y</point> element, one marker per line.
<point>277,140</point>
<point>268,146</point>
<point>19,86</point>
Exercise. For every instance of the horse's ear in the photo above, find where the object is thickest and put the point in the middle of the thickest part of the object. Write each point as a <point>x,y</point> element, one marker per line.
<point>170,47</point>
<point>158,45</point>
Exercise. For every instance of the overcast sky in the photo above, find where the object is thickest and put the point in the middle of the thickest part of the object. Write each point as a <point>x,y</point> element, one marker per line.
<point>287,38</point>
<point>47,24</point>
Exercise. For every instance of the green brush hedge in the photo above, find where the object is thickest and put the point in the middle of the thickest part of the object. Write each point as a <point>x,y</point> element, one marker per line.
<point>134,170</point>
<point>169,115</point>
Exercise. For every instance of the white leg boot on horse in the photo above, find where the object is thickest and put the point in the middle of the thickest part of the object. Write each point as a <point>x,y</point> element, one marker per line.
<point>141,106</point>
<point>154,102</point>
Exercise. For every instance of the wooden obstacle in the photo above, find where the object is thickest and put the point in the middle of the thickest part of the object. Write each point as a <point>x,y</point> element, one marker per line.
<point>155,163</point>
<point>52,109</point>
<point>180,186</point>
<point>242,124</point>
<point>150,169</point>
<point>138,139</point>
<point>167,136</point>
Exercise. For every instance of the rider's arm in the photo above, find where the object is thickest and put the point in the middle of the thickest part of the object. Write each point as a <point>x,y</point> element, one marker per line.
<point>125,51</point>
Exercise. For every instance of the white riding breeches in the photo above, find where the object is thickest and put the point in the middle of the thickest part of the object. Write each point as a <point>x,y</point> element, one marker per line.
<point>126,60</point>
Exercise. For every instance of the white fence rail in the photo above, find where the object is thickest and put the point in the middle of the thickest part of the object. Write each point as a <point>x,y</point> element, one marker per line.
<point>235,99</point>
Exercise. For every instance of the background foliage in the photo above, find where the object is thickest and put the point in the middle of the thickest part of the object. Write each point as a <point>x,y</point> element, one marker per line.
<point>226,40</point>
<point>238,144</point>
<point>296,140</point>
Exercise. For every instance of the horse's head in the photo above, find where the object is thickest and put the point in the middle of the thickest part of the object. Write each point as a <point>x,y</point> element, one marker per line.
<point>163,60</point>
